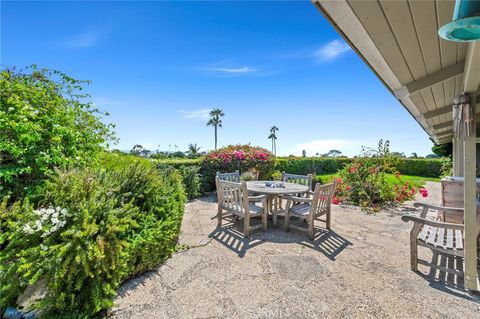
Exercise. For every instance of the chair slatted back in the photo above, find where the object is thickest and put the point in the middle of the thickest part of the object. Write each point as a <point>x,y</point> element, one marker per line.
<point>322,198</point>
<point>298,179</point>
<point>232,196</point>
<point>230,177</point>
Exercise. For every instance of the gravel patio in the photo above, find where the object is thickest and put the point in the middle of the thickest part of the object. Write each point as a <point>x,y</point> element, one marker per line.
<point>360,269</point>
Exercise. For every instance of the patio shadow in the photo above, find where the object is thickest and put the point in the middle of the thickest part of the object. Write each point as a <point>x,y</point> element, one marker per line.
<point>447,282</point>
<point>230,235</point>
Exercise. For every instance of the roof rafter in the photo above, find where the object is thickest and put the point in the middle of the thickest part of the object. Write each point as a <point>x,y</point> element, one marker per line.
<point>430,80</point>
<point>443,110</point>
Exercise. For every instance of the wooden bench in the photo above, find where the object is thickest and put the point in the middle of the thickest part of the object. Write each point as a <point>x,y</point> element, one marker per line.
<point>441,237</point>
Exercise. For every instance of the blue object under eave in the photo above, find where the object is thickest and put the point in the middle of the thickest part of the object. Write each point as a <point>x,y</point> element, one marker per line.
<point>465,26</point>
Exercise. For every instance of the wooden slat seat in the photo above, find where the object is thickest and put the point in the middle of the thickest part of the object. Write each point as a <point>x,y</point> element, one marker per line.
<point>254,209</point>
<point>439,236</point>
<point>301,209</point>
<point>448,240</point>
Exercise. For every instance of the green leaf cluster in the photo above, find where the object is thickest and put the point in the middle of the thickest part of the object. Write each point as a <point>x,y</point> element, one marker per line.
<point>124,217</point>
<point>46,122</point>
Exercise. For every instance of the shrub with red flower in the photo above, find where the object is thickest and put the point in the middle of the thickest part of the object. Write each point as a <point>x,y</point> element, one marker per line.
<point>365,182</point>
<point>237,157</point>
<point>423,191</point>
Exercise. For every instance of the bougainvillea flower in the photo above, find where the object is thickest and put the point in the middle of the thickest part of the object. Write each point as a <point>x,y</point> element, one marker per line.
<point>335,200</point>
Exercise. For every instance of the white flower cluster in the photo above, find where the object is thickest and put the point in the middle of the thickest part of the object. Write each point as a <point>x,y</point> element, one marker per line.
<point>49,221</point>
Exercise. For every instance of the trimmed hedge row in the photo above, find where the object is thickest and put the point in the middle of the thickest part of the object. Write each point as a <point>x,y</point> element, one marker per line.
<point>313,165</point>
<point>310,165</point>
<point>421,167</point>
<point>178,162</point>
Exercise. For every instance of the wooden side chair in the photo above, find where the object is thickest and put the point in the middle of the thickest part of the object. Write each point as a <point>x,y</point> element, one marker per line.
<point>441,237</point>
<point>298,179</point>
<point>233,198</point>
<point>231,177</point>
<point>311,209</point>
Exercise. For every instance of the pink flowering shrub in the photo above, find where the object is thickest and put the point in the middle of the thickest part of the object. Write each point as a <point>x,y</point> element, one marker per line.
<point>236,157</point>
<point>373,181</point>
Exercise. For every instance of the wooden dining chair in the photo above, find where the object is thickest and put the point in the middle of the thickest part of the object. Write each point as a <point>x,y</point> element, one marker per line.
<point>305,180</point>
<point>234,199</point>
<point>298,179</point>
<point>310,209</point>
<point>231,177</point>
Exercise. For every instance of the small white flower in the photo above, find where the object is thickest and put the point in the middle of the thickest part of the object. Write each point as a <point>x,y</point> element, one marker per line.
<point>50,211</point>
<point>38,225</point>
<point>64,212</point>
<point>28,229</point>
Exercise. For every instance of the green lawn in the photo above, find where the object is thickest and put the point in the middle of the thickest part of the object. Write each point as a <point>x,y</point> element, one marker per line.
<point>416,180</point>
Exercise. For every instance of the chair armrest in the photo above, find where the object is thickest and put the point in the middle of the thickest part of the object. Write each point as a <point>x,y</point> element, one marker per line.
<point>433,223</point>
<point>257,198</point>
<point>298,199</point>
<point>440,208</point>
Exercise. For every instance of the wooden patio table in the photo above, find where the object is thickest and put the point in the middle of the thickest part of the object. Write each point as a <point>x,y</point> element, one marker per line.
<point>275,193</point>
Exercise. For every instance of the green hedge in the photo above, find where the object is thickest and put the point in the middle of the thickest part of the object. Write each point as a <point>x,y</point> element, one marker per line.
<point>318,165</point>
<point>310,165</point>
<point>421,167</point>
<point>92,229</point>
<point>315,165</point>
<point>178,162</point>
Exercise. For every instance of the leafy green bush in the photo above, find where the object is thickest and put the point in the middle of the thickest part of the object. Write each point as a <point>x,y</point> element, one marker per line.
<point>236,157</point>
<point>320,165</point>
<point>421,167</point>
<point>365,182</point>
<point>179,162</point>
<point>92,229</point>
<point>45,123</point>
<point>310,165</point>
<point>192,181</point>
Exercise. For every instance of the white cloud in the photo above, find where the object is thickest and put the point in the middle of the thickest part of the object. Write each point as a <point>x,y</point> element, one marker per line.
<point>82,40</point>
<point>196,114</point>
<point>331,50</point>
<point>232,71</point>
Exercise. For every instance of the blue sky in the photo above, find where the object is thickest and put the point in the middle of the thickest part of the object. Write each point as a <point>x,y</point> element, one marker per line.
<point>158,67</point>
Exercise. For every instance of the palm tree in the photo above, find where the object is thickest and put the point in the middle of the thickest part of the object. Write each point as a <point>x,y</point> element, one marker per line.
<point>193,150</point>
<point>273,137</point>
<point>215,121</point>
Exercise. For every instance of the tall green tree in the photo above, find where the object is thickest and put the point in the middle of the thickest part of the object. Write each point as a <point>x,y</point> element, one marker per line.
<point>273,137</point>
<point>216,121</point>
<point>46,122</point>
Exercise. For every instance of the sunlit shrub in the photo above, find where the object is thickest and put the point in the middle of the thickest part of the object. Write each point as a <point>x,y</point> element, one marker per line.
<point>92,229</point>
<point>237,157</point>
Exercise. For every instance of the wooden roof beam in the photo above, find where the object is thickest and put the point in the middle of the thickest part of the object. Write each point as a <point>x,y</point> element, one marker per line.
<point>444,140</point>
<point>443,110</point>
<point>442,125</point>
<point>430,80</point>
<point>445,126</point>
